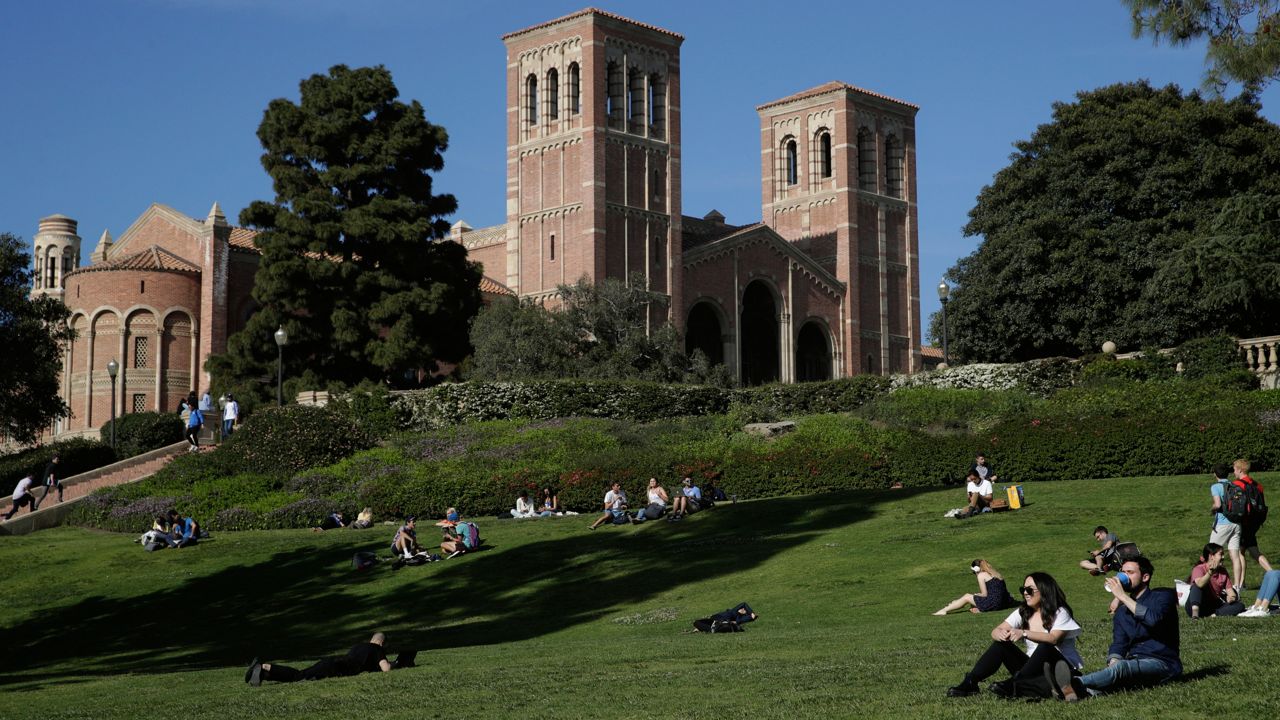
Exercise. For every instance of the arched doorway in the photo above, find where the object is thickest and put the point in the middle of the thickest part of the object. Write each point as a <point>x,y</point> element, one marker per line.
<point>703,332</point>
<point>759,327</point>
<point>813,354</point>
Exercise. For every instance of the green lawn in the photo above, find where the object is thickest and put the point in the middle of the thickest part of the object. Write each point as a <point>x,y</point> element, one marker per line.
<point>556,621</point>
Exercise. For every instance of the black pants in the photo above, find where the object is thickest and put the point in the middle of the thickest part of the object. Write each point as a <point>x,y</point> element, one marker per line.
<point>193,435</point>
<point>1028,672</point>
<point>26,499</point>
<point>1211,604</point>
<point>48,487</point>
<point>326,668</point>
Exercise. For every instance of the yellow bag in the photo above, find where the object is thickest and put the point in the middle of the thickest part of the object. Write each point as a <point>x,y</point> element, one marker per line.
<point>1015,496</point>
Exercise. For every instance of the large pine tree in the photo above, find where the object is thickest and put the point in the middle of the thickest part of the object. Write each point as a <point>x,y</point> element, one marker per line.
<point>353,265</point>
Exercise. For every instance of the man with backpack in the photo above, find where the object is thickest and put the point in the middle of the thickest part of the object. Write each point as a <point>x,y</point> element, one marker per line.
<point>1226,531</point>
<point>460,536</point>
<point>1246,505</point>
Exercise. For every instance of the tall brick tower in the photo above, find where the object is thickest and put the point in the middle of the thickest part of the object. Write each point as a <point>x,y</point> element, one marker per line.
<point>593,154</point>
<point>839,181</point>
<point>56,252</point>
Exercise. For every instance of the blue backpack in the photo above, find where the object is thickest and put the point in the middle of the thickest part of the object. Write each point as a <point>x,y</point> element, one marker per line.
<point>469,533</point>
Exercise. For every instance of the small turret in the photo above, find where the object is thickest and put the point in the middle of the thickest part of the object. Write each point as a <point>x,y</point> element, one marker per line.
<point>56,252</point>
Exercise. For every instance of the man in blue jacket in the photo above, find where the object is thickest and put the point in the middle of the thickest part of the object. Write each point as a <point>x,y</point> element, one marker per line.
<point>1144,645</point>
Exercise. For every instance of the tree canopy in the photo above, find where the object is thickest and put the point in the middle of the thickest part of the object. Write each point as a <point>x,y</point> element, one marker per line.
<point>1139,215</point>
<point>35,331</point>
<point>353,265</point>
<point>1243,36</point>
<point>600,331</point>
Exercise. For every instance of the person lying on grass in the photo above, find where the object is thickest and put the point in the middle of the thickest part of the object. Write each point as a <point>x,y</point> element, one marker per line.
<point>364,657</point>
<point>992,593</point>
<point>1044,622</point>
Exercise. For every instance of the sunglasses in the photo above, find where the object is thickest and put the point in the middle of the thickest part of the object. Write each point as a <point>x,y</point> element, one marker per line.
<point>1029,590</point>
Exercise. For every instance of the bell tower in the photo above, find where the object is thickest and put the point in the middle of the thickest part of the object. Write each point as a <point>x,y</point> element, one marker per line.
<point>593,154</point>
<point>56,253</point>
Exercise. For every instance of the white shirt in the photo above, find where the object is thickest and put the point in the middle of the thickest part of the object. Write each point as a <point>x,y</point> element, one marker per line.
<point>615,500</point>
<point>983,488</point>
<point>1061,621</point>
<point>231,411</point>
<point>655,498</point>
<point>21,489</point>
<point>524,506</point>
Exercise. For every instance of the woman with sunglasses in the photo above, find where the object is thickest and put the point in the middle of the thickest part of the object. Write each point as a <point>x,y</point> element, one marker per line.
<point>1043,621</point>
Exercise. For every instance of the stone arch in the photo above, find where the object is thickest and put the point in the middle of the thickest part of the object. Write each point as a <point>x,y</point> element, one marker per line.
<point>531,100</point>
<point>790,161</point>
<point>704,330</point>
<point>553,94</point>
<point>813,351</point>
<point>823,167</point>
<point>140,339</point>
<point>79,324</point>
<point>178,345</point>
<point>759,328</point>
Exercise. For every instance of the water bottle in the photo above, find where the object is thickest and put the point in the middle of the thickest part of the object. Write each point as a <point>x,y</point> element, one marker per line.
<point>1124,582</point>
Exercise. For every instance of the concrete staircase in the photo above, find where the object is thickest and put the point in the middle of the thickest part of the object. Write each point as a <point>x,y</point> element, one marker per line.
<point>74,489</point>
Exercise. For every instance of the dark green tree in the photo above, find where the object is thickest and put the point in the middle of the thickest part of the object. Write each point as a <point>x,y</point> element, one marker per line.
<point>604,331</point>
<point>353,265</point>
<point>1132,216</point>
<point>36,332</point>
<point>1243,36</point>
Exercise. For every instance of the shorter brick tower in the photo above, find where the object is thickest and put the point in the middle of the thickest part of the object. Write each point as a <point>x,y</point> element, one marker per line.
<point>56,252</point>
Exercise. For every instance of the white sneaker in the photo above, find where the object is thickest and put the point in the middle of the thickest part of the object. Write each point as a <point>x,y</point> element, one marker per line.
<point>1255,612</point>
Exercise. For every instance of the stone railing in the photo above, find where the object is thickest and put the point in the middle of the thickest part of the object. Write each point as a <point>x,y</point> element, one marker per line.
<point>1262,356</point>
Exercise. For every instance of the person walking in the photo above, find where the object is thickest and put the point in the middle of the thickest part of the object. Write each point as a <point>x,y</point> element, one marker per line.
<point>22,496</point>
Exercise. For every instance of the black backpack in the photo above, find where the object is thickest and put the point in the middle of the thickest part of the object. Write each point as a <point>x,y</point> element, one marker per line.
<point>1243,501</point>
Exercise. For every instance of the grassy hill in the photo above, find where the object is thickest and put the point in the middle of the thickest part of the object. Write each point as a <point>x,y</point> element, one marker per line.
<point>555,621</point>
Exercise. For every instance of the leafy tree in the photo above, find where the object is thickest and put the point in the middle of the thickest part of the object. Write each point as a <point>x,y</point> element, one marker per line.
<point>36,332</point>
<point>598,331</point>
<point>1243,36</point>
<point>1138,215</point>
<point>352,262</point>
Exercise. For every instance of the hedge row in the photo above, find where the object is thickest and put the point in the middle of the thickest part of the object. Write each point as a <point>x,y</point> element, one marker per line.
<point>75,456</point>
<point>137,433</point>
<point>480,467</point>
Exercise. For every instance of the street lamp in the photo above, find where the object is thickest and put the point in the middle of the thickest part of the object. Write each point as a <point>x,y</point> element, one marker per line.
<point>113,367</point>
<point>944,294</point>
<point>282,339</point>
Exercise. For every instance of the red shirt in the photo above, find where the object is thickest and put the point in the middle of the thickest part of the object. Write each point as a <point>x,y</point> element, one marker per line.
<point>1218,581</point>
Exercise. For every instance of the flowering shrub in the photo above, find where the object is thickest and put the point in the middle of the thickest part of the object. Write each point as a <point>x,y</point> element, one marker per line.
<point>1039,377</point>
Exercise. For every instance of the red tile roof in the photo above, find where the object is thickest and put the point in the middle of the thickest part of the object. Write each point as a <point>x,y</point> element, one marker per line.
<point>492,287</point>
<point>833,86</point>
<point>591,11</point>
<point>242,239</point>
<point>152,258</point>
<point>931,352</point>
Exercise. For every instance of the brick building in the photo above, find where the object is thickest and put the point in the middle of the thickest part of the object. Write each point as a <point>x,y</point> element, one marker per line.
<point>827,285</point>
<point>158,301</point>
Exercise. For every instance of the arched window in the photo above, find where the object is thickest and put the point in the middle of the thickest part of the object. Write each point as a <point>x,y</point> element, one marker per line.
<point>553,247</point>
<point>893,166</point>
<point>824,153</point>
<point>657,106</point>
<point>39,279</point>
<point>575,89</point>
<point>792,162</point>
<point>866,160</point>
<point>613,103</point>
<point>657,251</point>
<point>635,101</point>
<point>553,94</point>
<point>531,99</point>
<point>657,185</point>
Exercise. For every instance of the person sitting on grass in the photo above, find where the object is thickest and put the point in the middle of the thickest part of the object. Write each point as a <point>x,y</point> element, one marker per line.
<point>615,508</point>
<point>1211,591</point>
<point>1261,606</point>
<point>1104,559</point>
<point>524,506</point>
<point>979,492</point>
<point>1045,623</point>
<point>713,492</point>
<point>1144,646</point>
<point>185,530</point>
<point>405,543</point>
<point>992,593</point>
<point>22,496</point>
<point>688,502</point>
<point>460,536</point>
<point>365,657</point>
<point>657,496</point>
<point>550,503</point>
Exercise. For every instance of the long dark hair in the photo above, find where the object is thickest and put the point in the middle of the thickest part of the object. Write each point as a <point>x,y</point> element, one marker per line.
<point>1051,600</point>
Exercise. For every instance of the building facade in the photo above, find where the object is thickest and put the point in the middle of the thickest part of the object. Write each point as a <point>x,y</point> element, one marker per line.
<point>825,286</point>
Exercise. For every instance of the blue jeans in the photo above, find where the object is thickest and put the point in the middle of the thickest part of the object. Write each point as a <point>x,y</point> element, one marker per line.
<point>226,427</point>
<point>1128,673</point>
<point>1270,586</point>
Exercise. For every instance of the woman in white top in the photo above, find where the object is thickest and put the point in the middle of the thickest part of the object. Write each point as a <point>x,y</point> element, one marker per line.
<point>657,502</point>
<point>524,506</point>
<point>1043,621</point>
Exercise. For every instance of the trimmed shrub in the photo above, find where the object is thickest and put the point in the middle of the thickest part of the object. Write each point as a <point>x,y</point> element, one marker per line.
<point>371,408</point>
<point>1209,357</point>
<point>1038,377</point>
<point>75,457</point>
<point>285,440</point>
<point>137,433</point>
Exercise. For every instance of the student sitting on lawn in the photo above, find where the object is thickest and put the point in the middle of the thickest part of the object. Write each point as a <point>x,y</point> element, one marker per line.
<point>550,503</point>
<point>185,530</point>
<point>657,496</point>
<point>1104,559</point>
<point>365,657</point>
<point>992,593</point>
<point>460,535</point>
<point>1261,607</point>
<point>1211,588</point>
<point>524,506</point>
<point>615,508</point>
<point>405,542</point>
<point>688,502</point>
<point>1044,622</point>
<point>979,492</point>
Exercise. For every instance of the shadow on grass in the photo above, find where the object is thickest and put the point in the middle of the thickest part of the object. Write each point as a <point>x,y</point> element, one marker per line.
<point>304,604</point>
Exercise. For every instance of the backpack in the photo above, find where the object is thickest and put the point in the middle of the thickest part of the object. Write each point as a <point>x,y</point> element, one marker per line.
<point>468,533</point>
<point>1243,501</point>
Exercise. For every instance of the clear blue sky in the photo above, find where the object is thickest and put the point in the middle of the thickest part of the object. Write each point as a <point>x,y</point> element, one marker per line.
<point>106,107</point>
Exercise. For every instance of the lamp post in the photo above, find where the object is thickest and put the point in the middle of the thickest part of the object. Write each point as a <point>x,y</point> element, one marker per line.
<point>282,339</point>
<point>113,367</point>
<point>944,294</point>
